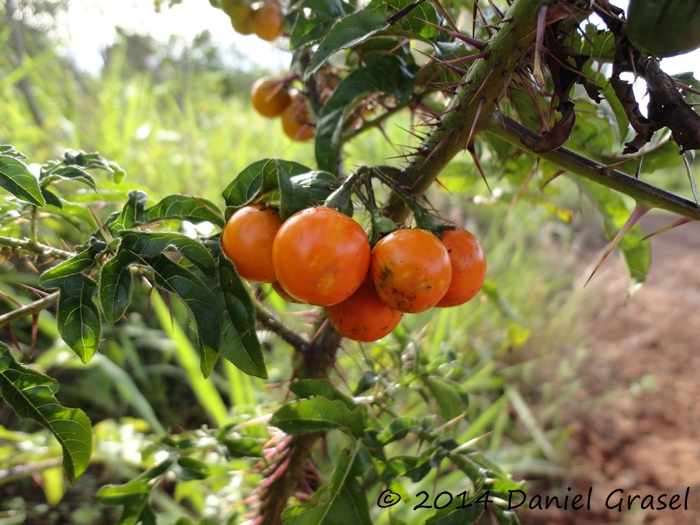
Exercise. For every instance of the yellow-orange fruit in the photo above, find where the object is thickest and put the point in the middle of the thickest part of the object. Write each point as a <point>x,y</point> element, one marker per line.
<point>267,21</point>
<point>270,97</point>
<point>468,267</point>
<point>363,316</point>
<point>410,269</point>
<point>295,121</point>
<point>247,240</point>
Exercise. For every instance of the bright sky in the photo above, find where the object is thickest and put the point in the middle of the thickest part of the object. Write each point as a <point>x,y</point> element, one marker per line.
<point>90,26</point>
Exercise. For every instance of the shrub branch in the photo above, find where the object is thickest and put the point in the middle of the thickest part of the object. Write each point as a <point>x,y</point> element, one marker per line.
<point>517,134</point>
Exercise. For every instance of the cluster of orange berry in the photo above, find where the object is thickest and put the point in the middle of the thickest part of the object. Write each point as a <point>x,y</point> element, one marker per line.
<point>272,98</point>
<point>322,257</point>
<point>262,18</point>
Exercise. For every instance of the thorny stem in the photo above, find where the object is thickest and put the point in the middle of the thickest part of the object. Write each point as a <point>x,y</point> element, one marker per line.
<point>268,320</point>
<point>30,309</point>
<point>35,247</point>
<point>514,132</point>
<point>485,81</point>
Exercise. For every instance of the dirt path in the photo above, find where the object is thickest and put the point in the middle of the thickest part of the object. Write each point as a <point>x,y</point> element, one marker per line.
<point>637,423</point>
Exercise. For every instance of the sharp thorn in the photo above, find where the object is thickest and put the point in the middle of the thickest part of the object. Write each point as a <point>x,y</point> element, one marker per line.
<point>639,211</point>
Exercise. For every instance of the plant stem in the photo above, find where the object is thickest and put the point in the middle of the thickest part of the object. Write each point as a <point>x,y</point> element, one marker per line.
<point>268,321</point>
<point>476,99</point>
<point>35,247</point>
<point>514,133</point>
<point>30,309</point>
<point>22,471</point>
<point>33,219</point>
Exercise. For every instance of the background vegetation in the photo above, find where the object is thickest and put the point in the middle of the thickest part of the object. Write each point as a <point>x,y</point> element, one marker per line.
<point>176,118</point>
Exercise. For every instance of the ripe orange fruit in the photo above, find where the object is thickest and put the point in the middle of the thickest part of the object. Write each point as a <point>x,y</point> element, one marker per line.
<point>411,270</point>
<point>468,266</point>
<point>363,316</point>
<point>247,240</point>
<point>284,294</point>
<point>267,21</point>
<point>295,121</point>
<point>320,256</point>
<point>270,97</point>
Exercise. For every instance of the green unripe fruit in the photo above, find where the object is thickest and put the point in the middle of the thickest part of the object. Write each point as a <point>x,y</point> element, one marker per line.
<point>238,10</point>
<point>664,28</point>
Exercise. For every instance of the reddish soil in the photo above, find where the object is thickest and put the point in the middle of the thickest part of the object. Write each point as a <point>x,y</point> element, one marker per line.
<point>636,420</point>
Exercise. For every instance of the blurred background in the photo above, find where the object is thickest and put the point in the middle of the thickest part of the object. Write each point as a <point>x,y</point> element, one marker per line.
<point>570,386</point>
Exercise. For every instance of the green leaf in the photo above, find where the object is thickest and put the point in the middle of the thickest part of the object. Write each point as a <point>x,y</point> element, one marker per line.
<point>191,468</point>
<point>51,198</point>
<point>198,299</point>
<point>79,263</point>
<point>239,339</point>
<point>399,428</point>
<point>242,448</point>
<point>451,401</point>
<point>78,318</point>
<point>9,150</point>
<point>349,31</point>
<point>636,251</point>
<point>258,179</point>
<point>395,467</point>
<point>306,388</point>
<point>68,173</point>
<point>316,414</point>
<point>16,178</point>
<point>322,15</point>
<point>451,515</point>
<point>618,110</point>
<point>135,495</point>
<point>31,395</point>
<point>381,74</point>
<point>154,243</point>
<point>303,191</point>
<point>116,285</point>
<point>347,502</point>
<point>367,381</point>
<point>132,212</point>
<point>185,208</point>
<point>414,20</point>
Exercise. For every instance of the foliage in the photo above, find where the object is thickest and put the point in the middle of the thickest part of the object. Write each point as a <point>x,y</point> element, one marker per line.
<point>502,94</point>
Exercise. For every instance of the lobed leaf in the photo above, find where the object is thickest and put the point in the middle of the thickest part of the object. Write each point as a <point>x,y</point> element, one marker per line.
<point>258,179</point>
<point>197,297</point>
<point>239,339</point>
<point>149,244</point>
<point>31,396</point>
<point>64,173</point>
<point>116,285</point>
<point>185,208</point>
